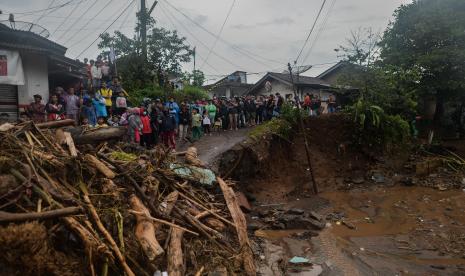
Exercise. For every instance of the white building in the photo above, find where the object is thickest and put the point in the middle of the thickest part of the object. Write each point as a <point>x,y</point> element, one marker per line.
<point>31,64</point>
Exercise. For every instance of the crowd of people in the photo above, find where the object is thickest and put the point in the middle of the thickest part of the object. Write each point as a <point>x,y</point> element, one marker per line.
<point>100,101</point>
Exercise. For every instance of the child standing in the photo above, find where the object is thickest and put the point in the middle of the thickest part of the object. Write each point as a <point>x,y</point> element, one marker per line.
<point>134,126</point>
<point>206,123</point>
<point>196,124</point>
<point>146,139</point>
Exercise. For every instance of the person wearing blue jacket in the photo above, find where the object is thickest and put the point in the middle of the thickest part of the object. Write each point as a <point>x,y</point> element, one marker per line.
<point>173,108</point>
<point>88,112</point>
<point>99,104</point>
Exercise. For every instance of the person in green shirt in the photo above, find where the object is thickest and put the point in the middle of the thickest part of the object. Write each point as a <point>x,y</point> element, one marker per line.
<point>196,124</point>
<point>211,109</point>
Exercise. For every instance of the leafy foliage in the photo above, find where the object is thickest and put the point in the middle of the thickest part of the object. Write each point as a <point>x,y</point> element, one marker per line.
<point>376,129</point>
<point>189,93</point>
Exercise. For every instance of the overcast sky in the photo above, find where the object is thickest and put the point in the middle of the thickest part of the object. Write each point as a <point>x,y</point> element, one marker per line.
<point>259,35</point>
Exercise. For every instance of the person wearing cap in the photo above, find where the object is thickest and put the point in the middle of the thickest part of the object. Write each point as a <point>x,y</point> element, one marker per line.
<point>36,110</point>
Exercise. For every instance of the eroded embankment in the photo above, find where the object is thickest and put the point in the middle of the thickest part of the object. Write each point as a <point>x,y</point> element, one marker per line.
<point>376,223</point>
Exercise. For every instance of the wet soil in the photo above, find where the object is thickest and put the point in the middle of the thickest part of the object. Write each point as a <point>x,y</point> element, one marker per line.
<point>376,225</point>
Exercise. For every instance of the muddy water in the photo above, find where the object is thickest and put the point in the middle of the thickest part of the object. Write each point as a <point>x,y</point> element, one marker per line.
<point>408,227</point>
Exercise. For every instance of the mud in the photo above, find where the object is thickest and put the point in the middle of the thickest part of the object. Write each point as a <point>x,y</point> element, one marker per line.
<point>375,224</point>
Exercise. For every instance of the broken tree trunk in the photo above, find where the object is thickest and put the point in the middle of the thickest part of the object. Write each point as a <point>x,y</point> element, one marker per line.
<point>241,226</point>
<point>100,166</point>
<point>145,230</point>
<point>56,124</point>
<point>70,143</point>
<point>192,157</point>
<point>98,135</point>
<point>18,217</point>
<point>175,255</point>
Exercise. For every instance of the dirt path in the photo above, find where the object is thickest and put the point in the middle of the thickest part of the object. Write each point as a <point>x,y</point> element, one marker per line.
<point>210,147</point>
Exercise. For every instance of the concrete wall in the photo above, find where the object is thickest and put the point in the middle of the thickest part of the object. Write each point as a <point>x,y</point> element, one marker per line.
<point>35,78</point>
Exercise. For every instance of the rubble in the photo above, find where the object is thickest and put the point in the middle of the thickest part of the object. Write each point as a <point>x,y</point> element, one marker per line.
<point>110,209</point>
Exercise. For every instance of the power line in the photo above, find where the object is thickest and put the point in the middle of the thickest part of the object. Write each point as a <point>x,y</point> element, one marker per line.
<point>89,21</point>
<point>106,28</point>
<point>238,49</point>
<point>66,18</point>
<point>311,30</point>
<point>43,14</point>
<point>174,27</point>
<point>77,19</point>
<point>41,10</point>
<point>320,31</point>
<point>201,42</point>
<point>219,33</point>
<point>126,18</point>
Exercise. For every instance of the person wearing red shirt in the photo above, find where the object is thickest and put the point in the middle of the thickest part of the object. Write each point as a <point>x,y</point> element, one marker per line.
<point>146,138</point>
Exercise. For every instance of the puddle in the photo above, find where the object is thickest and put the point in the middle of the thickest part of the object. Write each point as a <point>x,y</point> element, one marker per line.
<point>277,234</point>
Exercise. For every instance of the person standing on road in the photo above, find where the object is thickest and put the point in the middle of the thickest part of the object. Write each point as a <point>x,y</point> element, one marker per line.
<point>211,109</point>
<point>184,121</point>
<point>233,111</point>
<point>168,128</point>
<point>146,138</point>
<point>55,110</point>
<point>196,124</point>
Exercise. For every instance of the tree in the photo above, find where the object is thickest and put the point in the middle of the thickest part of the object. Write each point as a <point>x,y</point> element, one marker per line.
<point>389,87</point>
<point>166,51</point>
<point>428,36</point>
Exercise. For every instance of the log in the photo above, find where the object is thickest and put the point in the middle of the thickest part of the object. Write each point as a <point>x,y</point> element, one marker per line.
<point>98,135</point>
<point>100,166</point>
<point>168,203</point>
<point>70,143</point>
<point>93,213</point>
<point>19,217</point>
<point>60,136</point>
<point>175,255</point>
<point>145,230</point>
<point>241,226</point>
<point>192,157</point>
<point>56,124</point>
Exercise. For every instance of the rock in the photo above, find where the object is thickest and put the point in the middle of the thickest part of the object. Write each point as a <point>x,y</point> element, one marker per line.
<point>250,197</point>
<point>358,180</point>
<point>315,215</point>
<point>378,177</point>
<point>297,222</point>
<point>254,225</point>
<point>295,211</point>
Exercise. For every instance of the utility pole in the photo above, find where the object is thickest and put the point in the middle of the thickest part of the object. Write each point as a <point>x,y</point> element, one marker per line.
<point>144,16</point>
<point>194,57</point>
<point>302,129</point>
<point>143,28</point>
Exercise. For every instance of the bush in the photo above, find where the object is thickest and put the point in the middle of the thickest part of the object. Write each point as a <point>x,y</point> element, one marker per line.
<point>376,129</point>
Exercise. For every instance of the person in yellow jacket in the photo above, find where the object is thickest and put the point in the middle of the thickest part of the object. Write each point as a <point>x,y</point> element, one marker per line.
<point>106,94</point>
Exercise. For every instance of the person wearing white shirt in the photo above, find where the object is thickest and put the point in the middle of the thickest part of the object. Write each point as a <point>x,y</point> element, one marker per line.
<point>96,73</point>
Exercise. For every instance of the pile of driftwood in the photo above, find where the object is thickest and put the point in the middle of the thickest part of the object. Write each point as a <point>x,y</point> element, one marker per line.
<point>68,209</point>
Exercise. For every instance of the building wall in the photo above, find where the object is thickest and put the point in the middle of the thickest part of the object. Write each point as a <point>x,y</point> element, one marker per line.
<point>35,78</point>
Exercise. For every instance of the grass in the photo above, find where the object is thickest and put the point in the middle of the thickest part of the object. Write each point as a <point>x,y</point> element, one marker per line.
<point>276,126</point>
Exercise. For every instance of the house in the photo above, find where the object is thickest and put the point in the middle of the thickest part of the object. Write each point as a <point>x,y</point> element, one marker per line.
<point>232,85</point>
<point>345,94</point>
<point>31,64</point>
<point>281,83</point>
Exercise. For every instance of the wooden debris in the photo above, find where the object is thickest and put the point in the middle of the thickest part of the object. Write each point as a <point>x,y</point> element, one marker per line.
<point>100,166</point>
<point>241,226</point>
<point>57,124</point>
<point>96,136</point>
<point>192,157</point>
<point>175,254</point>
<point>145,230</point>
<point>18,217</point>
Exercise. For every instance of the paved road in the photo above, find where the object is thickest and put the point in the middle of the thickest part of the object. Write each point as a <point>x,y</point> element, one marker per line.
<point>210,147</point>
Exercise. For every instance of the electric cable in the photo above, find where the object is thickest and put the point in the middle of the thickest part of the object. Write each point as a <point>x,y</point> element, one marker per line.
<point>311,31</point>
<point>88,21</point>
<point>219,33</point>
<point>66,18</point>
<point>77,19</point>
<point>106,29</point>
